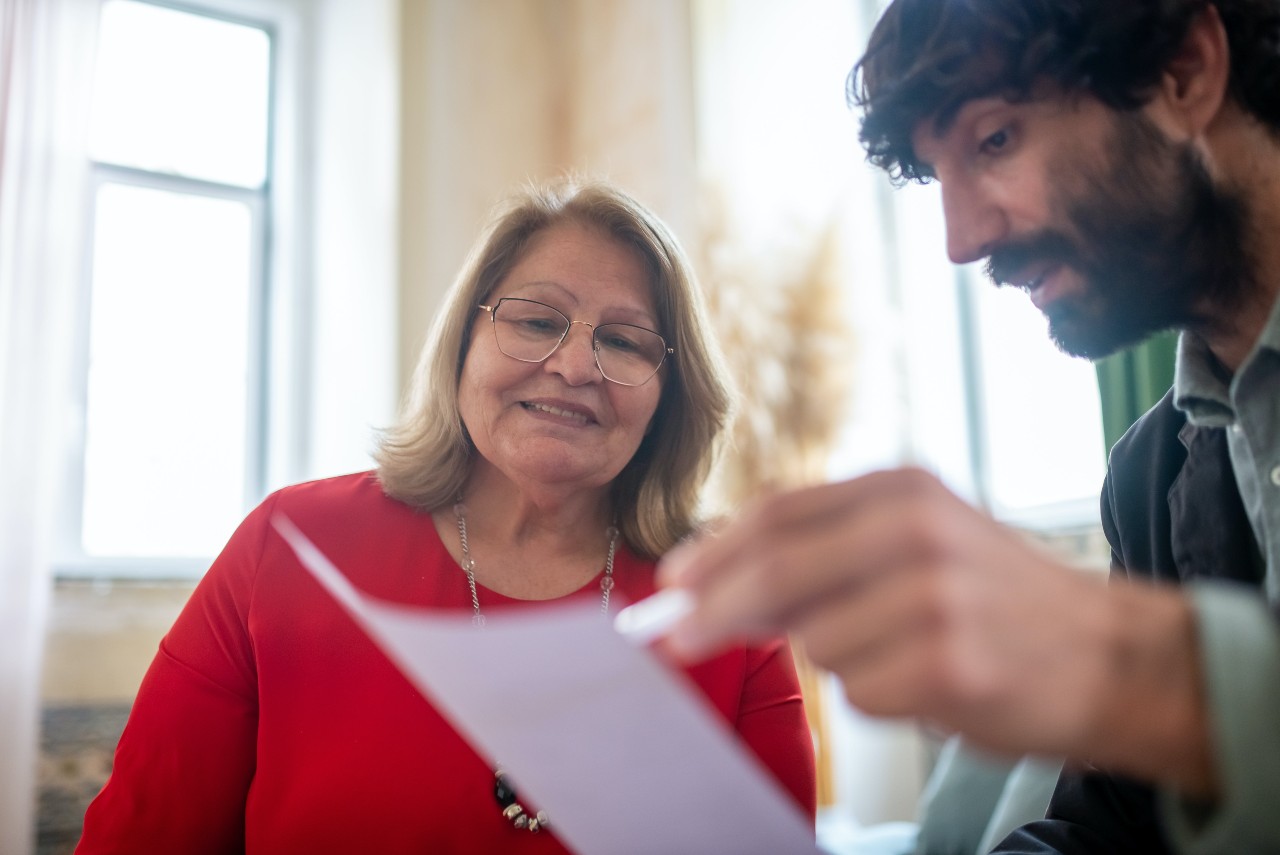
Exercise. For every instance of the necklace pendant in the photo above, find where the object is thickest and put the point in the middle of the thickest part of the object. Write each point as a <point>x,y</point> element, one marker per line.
<point>503,791</point>
<point>505,795</point>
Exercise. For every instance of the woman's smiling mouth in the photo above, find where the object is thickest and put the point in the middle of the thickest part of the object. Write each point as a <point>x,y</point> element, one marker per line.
<point>559,412</point>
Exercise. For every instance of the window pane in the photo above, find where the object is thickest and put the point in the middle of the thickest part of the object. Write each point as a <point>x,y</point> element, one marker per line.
<point>1043,416</point>
<point>169,342</point>
<point>181,93</point>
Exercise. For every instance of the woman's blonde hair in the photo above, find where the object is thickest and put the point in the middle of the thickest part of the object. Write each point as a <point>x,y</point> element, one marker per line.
<point>425,458</point>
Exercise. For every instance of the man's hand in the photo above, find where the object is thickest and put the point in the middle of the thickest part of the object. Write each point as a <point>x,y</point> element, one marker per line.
<point>925,607</point>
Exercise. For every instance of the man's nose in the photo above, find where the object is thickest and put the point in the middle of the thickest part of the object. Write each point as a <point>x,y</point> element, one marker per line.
<point>975,224</point>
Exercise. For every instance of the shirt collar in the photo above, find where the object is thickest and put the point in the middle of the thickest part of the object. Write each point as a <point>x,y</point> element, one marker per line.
<point>1202,386</point>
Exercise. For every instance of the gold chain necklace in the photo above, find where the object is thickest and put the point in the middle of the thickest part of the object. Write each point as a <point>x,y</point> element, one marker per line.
<point>503,792</point>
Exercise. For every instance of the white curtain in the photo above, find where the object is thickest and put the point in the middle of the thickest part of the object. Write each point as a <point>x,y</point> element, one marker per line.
<point>45,57</point>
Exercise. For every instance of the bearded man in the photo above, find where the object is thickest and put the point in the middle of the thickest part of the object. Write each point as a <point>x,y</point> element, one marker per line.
<point>1120,162</point>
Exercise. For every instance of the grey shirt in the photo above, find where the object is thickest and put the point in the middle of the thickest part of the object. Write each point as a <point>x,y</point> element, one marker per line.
<point>1239,632</point>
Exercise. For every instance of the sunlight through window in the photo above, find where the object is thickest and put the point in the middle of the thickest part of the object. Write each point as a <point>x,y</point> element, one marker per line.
<point>181,93</point>
<point>173,372</point>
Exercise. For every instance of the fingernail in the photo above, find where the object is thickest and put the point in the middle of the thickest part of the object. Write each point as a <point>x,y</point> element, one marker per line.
<point>653,616</point>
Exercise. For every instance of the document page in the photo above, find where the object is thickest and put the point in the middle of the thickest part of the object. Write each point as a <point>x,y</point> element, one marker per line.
<point>618,749</point>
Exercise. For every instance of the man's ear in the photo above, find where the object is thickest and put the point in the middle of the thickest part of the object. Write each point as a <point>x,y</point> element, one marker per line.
<point>1193,88</point>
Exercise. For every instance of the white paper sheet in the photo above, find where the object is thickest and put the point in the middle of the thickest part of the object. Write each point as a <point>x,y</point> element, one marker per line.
<point>615,747</point>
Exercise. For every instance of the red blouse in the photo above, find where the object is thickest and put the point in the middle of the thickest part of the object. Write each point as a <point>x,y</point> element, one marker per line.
<point>270,723</point>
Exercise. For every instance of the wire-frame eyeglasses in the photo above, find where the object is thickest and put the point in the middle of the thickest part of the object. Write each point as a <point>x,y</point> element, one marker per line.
<point>531,331</point>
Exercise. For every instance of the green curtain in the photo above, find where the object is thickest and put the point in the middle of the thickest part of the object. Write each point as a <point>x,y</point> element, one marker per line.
<point>1131,381</point>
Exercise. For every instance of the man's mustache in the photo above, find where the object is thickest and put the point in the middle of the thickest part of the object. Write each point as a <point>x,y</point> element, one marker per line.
<point>1013,257</point>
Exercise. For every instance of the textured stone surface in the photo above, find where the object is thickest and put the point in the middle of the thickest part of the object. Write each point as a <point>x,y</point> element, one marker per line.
<point>76,746</point>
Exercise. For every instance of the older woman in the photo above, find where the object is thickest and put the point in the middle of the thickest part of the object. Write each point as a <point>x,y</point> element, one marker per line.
<point>565,414</point>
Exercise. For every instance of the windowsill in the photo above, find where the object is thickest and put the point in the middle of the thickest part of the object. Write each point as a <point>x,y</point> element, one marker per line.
<point>1085,547</point>
<point>1066,516</point>
<point>1071,531</point>
<point>131,569</point>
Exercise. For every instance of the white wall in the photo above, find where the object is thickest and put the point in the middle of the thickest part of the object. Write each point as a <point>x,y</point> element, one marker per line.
<point>500,92</point>
<point>354,148</point>
<point>334,257</point>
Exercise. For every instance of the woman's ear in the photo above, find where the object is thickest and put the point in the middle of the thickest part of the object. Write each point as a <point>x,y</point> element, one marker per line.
<point>1193,88</point>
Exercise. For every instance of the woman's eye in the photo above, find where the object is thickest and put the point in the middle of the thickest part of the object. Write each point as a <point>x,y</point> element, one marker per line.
<point>538,325</point>
<point>617,342</point>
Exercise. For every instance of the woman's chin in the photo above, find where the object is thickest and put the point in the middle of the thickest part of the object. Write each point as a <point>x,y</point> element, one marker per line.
<point>559,472</point>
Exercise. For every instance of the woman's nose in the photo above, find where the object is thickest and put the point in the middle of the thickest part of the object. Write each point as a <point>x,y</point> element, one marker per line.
<point>575,358</point>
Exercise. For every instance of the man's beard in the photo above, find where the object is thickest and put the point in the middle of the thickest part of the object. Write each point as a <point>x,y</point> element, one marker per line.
<point>1155,240</point>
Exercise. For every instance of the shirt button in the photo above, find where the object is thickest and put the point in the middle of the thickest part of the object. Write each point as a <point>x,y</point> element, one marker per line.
<point>1275,476</point>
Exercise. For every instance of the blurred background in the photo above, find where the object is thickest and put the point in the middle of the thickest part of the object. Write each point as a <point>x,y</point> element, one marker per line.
<point>225,226</point>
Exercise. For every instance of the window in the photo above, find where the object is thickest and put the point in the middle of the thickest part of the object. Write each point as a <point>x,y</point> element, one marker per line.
<point>1040,457</point>
<point>173,370</point>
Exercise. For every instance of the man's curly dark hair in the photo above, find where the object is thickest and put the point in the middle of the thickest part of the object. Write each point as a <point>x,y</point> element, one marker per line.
<point>925,58</point>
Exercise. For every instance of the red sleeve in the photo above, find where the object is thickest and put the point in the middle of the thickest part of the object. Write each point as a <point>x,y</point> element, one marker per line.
<point>771,719</point>
<point>185,761</point>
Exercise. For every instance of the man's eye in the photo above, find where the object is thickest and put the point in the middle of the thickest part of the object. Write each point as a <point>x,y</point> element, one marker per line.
<point>996,141</point>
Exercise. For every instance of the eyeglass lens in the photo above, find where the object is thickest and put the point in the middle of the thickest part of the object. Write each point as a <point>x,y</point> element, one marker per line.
<point>531,331</point>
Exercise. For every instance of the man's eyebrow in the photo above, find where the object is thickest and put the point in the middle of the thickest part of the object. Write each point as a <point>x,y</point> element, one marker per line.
<point>950,113</point>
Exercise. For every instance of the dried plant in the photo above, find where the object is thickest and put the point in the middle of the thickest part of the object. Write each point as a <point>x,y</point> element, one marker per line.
<point>781,316</point>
